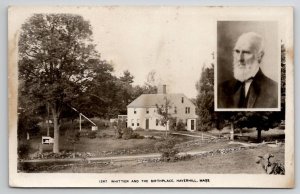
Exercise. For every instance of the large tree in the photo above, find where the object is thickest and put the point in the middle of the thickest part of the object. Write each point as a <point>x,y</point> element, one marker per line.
<point>27,111</point>
<point>56,56</point>
<point>125,93</point>
<point>100,94</point>
<point>205,98</point>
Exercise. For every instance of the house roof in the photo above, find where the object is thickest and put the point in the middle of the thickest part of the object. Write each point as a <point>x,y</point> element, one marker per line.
<point>151,100</point>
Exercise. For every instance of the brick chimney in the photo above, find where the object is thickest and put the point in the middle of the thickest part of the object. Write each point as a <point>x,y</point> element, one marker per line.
<point>162,89</point>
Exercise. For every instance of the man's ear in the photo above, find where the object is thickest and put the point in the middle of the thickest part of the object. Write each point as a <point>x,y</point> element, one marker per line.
<point>260,56</point>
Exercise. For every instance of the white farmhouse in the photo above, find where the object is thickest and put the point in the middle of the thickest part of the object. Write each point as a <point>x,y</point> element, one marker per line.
<point>142,112</point>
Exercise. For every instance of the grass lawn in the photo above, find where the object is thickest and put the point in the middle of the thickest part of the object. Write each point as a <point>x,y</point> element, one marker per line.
<point>240,162</point>
<point>100,146</point>
<point>108,145</point>
<point>270,135</point>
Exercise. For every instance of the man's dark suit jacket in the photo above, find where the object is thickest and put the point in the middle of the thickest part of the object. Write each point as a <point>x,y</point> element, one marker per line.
<point>262,93</point>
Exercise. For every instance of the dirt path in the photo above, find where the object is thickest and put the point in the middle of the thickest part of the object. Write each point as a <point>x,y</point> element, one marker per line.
<point>111,158</point>
<point>191,135</point>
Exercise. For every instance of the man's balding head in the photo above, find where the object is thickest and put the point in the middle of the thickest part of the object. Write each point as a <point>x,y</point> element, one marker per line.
<point>253,42</point>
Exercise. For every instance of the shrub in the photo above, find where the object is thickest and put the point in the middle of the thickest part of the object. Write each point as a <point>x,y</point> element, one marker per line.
<point>121,124</point>
<point>84,123</point>
<point>67,125</point>
<point>28,124</point>
<point>167,150</point>
<point>72,136</point>
<point>180,126</point>
<point>139,129</point>
<point>84,133</point>
<point>127,133</point>
<point>184,157</point>
<point>118,133</point>
<point>172,123</point>
<point>23,149</point>
<point>101,123</point>
<point>136,136</point>
<point>151,137</point>
<point>92,134</point>
<point>119,128</point>
<point>103,135</point>
<point>177,125</point>
<point>204,127</point>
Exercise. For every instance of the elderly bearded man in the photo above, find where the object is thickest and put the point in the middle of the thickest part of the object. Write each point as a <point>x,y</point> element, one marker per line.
<point>250,88</point>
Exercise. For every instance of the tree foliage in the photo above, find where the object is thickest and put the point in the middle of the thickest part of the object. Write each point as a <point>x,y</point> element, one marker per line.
<point>205,99</point>
<point>56,58</point>
<point>167,149</point>
<point>163,111</point>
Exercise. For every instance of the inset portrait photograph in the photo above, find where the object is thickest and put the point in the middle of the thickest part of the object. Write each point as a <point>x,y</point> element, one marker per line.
<point>248,66</point>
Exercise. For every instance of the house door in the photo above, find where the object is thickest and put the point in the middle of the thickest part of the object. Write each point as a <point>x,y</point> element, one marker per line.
<point>147,123</point>
<point>192,124</point>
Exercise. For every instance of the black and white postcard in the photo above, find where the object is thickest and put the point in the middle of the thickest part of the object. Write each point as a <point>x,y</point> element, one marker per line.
<point>151,96</point>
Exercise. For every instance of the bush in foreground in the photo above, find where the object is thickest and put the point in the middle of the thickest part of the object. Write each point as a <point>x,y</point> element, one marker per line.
<point>23,149</point>
<point>167,149</point>
<point>122,132</point>
<point>180,126</point>
<point>92,134</point>
<point>127,133</point>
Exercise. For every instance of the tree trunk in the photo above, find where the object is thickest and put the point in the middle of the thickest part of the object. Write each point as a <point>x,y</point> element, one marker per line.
<point>48,128</point>
<point>56,130</point>
<point>166,130</point>
<point>231,131</point>
<point>258,135</point>
<point>47,125</point>
<point>74,150</point>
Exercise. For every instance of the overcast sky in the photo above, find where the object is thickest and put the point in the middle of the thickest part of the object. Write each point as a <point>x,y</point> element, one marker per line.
<point>173,42</point>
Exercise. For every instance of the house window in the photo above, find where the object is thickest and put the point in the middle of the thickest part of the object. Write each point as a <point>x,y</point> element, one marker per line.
<point>175,110</point>
<point>147,110</point>
<point>187,110</point>
<point>132,122</point>
<point>134,111</point>
<point>192,124</point>
<point>137,122</point>
<point>182,100</point>
<point>157,122</point>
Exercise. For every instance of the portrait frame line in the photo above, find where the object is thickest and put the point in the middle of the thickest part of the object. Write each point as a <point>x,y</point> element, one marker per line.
<point>233,30</point>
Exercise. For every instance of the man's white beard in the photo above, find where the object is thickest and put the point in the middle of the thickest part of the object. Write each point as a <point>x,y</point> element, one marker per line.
<point>243,73</point>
